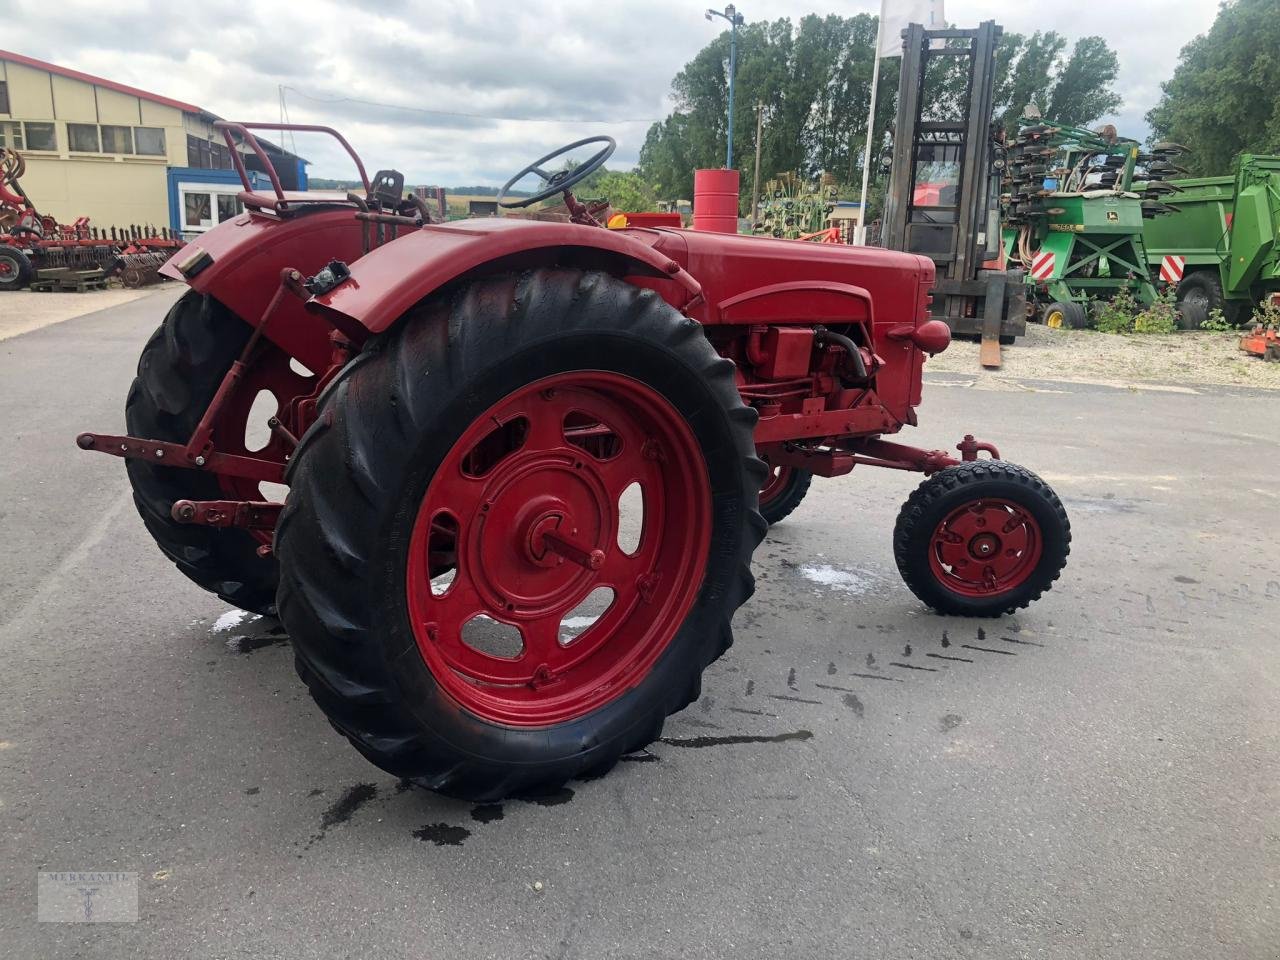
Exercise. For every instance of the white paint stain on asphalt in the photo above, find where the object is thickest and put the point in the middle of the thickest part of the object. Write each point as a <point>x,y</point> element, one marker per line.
<point>838,578</point>
<point>230,619</point>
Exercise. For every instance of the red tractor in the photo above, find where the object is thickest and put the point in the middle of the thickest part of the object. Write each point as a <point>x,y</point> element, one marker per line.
<point>463,413</point>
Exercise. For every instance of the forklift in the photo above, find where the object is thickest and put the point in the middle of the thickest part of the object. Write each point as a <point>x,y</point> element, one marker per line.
<point>943,199</point>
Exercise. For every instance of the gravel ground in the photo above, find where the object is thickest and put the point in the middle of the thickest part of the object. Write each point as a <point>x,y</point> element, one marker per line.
<point>25,310</point>
<point>1089,356</point>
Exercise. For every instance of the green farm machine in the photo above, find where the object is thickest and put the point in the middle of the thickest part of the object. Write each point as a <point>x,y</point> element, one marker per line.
<point>1075,207</point>
<point>1220,245</point>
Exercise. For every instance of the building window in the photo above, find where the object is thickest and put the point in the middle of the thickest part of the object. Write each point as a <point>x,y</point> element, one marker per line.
<point>4,96</point>
<point>11,135</point>
<point>197,210</point>
<point>198,152</point>
<point>149,141</point>
<point>117,139</point>
<point>41,136</point>
<point>228,206</point>
<point>82,137</point>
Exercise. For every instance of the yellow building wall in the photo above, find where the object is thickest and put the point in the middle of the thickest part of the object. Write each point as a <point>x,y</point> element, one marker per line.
<point>118,108</point>
<point>109,192</point>
<point>73,100</point>
<point>30,94</point>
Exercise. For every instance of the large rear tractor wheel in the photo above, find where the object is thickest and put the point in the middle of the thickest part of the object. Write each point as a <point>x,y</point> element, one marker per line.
<point>782,492</point>
<point>179,371</point>
<point>518,531</point>
<point>981,539</point>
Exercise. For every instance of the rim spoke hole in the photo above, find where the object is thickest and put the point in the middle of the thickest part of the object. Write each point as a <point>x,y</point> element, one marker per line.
<point>493,638</point>
<point>442,552</point>
<point>256,432</point>
<point>495,446</point>
<point>273,492</point>
<point>584,616</point>
<point>630,519</point>
<point>590,433</point>
<point>300,368</point>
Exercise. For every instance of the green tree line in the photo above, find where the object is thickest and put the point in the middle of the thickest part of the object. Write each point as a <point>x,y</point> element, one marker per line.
<point>1221,100</point>
<point>813,79</point>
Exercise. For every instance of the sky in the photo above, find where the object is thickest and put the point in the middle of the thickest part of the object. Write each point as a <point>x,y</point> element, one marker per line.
<point>560,71</point>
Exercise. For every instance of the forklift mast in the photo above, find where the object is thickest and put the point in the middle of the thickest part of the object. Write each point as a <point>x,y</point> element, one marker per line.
<point>943,200</point>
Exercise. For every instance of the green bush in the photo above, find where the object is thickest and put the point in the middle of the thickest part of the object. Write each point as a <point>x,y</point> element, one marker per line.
<point>1117,314</point>
<point>1217,321</point>
<point>1266,313</point>
<point>1160,317</point>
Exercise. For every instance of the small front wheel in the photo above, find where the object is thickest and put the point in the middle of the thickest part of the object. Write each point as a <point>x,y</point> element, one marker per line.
<point>782,492</point>
<point>981,539</point>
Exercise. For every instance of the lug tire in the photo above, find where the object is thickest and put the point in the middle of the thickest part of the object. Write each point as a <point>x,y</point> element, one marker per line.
<point>15,268</point>
<point>389,429</point>
<point>1199,294</point>
<point>178,373</point>
<point>1065,315</point>
<point>947,494</point>
<point>788,489</point>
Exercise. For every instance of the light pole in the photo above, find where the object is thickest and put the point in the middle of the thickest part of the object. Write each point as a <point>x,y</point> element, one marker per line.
<point>735,20</point>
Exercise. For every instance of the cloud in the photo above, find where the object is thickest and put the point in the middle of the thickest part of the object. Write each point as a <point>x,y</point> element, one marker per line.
<point>577,66</point>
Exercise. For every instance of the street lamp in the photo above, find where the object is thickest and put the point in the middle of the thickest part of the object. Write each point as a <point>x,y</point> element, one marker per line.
<point>735,21</point>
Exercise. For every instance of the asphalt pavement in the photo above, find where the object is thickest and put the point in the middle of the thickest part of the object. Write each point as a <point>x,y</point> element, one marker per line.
<point>1097,776</point>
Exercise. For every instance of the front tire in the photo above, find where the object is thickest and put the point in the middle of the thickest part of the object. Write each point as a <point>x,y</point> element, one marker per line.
<point>981,539</point>
<point>462,444</point>
<point>782,492</point>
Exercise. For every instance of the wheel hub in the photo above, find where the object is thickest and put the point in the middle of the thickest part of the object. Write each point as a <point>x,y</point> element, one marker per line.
<point>986,547</point>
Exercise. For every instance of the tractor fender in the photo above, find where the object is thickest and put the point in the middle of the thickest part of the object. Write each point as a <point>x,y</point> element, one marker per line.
<point>392,278</point>
<point>242,270</point>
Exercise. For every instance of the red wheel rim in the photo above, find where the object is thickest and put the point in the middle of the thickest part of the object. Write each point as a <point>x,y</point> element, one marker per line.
<point>6,267</point>
<point>774,483</point>
<point>272,372</point>
<point>985,547</point>
<point>524,509</point>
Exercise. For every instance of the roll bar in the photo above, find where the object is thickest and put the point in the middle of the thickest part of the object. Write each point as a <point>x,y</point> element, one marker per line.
<point>241,130</point>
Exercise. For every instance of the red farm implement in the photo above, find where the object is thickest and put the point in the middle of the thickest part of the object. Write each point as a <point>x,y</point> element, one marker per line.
<point>31,242</point>
<point>529,462</point>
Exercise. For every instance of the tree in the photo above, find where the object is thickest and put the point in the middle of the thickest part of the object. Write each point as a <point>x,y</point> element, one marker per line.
<point>1221,100</point>
<point>1075,90</point>
<point>814,79</point>
<point>1081,91</point>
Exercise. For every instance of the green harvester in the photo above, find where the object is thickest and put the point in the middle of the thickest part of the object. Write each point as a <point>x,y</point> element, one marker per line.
<point>1219,246</point>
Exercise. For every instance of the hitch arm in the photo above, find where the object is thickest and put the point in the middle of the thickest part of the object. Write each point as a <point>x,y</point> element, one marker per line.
<point>166,454</point>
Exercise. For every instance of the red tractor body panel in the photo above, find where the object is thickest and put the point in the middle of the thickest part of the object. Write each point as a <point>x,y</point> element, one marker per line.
<point>721,280</point>
<point>391,279</point>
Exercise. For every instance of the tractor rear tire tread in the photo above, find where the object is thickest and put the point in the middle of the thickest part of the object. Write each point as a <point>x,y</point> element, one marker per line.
<point>356,473</point>
<point>949,488</point>
<point>179,371</point>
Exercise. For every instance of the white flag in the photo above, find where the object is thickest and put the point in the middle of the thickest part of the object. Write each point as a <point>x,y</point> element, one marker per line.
<point>896,14</point>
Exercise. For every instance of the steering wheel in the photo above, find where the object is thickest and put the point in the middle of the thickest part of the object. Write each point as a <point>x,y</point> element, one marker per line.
<point>564,179</point>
